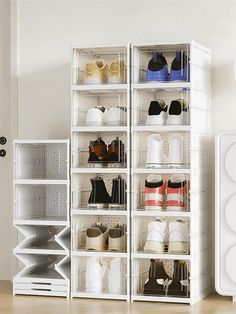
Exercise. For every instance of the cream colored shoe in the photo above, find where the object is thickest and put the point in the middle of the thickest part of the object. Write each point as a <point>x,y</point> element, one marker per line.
<point>117,72</point>
<point>116,239</point>
<point>96,237</point>
<point>96,72</point>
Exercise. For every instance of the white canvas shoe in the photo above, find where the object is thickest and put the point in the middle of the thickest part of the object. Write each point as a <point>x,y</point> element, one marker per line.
<point>178,237</point>
<point>156,237</point>
<point>176,150</point>
<point>116,115</point>
<point>157,113</point>
<point>176,113</point>
<point>116,277</point>
<point>155,151</point>
<point>95,272</point>
<point>95,115</point>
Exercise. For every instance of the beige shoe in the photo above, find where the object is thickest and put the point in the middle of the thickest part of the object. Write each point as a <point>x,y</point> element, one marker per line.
<point>96,237</point>
<point>117,72</point>
<point>116,239</point>
<point>96,72</point>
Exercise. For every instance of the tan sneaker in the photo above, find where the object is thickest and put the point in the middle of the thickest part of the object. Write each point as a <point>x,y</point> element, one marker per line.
<point>117,72</point>
<point>116,239</point>
<point>96,237</point>
<point>96,72</point>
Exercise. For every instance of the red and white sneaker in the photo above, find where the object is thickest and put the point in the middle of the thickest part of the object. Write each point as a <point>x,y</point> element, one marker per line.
<point>154,192</point>
<point>177,193</point>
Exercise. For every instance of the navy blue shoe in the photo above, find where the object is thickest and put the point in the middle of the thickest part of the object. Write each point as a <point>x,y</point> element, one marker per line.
<point>157,68</point>
<point>180,68</point>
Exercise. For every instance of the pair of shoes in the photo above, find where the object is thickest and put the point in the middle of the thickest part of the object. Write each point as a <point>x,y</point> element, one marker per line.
<point>175,233</point>
<point>99,115</point>
<point>158,68</point>
<point>96,271</point>
<point>172,195</point>
<point>160,283</point>
<point>98,72</point>
<point>99,238</point>
<point>100,198</point>
<point>159,114</point>
<point>98,152</point>
<point>156,156</point>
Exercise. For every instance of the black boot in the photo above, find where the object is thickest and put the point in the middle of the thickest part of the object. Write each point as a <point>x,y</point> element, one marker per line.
<point>116,151</point>
<point>156,271</point>
<point>99,195</point>
<point>118,195</point>
<point>180,276</point>
<point>97,151</point>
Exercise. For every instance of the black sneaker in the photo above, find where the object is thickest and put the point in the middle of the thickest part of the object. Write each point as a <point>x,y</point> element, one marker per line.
<point>179,285</point>
<point>157,112</point>
<point>155,283</point>
<point>118,195</point>
<point>99,196</point>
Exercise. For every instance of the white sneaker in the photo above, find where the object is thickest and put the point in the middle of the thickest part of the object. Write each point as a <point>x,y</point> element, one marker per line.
<point>157,113</point>
<point>176,113</point>
<point>95,115</point>
<point>176,150</point>
<point>178,237</point>
<point>155,151</point>
<point>95,272</point>
<point>116,277</point>
<point>156,237</point>
<point>96,72</point>
<point>116,115</point>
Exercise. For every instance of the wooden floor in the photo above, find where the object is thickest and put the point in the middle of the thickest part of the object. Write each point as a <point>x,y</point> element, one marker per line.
<point>44,305</point>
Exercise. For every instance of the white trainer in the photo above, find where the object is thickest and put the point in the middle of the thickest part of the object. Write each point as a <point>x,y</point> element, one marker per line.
<point>95,115</point>
<point>116,277</point>
<point>156,237</point>
<point>176,150</point>
<point>176,113</point>
<point>155,151</point>
<point>95,272</point>
<point>157,113</point>
<point>116,115</point>
<point>178,237</point>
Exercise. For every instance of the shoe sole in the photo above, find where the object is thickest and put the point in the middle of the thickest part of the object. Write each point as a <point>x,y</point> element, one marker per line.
<point>175,208</point>
<point>154,246</point>
<point>178,247</point>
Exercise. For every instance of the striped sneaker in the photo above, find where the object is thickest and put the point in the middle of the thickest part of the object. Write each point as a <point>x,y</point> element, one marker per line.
<point>154,192</point>
<point>177,193</point>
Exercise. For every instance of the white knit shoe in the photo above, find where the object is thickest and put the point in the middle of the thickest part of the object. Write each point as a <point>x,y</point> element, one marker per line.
<point>178,237</point>
<point>156,237</point>
<point>95,272</point>
<point>116,277</point>
<point>155,151</point>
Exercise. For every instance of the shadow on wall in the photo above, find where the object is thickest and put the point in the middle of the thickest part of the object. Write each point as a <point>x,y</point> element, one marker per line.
<point>44,103</point>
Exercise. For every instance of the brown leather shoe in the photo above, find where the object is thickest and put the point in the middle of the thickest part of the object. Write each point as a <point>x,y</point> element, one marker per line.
<point>97,151</point>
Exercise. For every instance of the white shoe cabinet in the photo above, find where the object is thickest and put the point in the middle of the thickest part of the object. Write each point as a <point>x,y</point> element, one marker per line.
<point>83,97</point>
<point>195,166</point>
<point>41,216</point>
<point>225,238</point>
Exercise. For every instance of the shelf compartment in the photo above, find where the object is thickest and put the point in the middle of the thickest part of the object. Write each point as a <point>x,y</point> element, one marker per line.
<point>142,54</point>
<point>41,161</point>
<point>82,187</point>
<point>116,143</point>
<point>140,281</point>
<point>142,99</point>
<point>83,101</point>
<point>138,194</point>
<point>82,282</point>
<point>41,202</point>
<point>140,232</point>
<point>144,158</point>
<point>80,224</point>
<point>106,55</point>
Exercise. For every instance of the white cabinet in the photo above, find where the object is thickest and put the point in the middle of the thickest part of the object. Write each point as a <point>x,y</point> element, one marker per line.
<point>100,127</point>
<point>194,133</point>
<point>41,215</point>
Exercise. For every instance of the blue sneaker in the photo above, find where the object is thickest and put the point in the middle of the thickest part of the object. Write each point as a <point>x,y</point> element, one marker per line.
<point>180,68</point>
<point>157,68</point>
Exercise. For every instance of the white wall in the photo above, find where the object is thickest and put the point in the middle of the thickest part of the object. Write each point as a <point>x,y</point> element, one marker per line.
<point>47,29</point>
